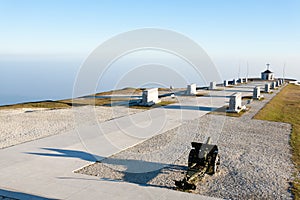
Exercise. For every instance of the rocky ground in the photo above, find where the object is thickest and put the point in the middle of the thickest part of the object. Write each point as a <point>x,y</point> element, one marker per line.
<point>23,125</point>
<point>255,157</point>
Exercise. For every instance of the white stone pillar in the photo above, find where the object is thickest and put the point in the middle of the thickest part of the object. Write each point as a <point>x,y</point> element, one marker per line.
<point>191,89</point>
<point>213,85</point>
<point>226,83</point>
<point>256,93</point>
<point>267,87</point>
<point>150,97</point>
<point>235,102</point>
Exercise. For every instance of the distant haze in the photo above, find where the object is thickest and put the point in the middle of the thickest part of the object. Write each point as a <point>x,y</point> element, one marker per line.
<point>45,78</point>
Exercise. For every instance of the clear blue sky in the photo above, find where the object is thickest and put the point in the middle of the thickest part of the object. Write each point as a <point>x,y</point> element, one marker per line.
<point>232,32</point>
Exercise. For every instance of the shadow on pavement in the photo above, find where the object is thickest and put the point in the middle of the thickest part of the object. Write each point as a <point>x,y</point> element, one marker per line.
<point>238,91</point>
<point>127,170</point>
<point>11,195</point>
<point>183,107</point>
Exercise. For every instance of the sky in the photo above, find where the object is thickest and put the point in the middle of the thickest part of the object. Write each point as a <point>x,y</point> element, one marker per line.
<point>62,33</point>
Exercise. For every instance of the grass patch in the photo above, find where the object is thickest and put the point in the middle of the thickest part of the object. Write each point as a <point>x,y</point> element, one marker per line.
<point>40,104</point>
<point>222,111</point>
<point>95,101</point>
<point>201,94</point>
<point>285,107</point>
<point>165,89</point>
<point>127,90</point>
<point>91,100</point>
<point>250,97</point>
<point>68,103</point>
<point>246,97</point>
<point>271,92</point>
<point>164,103</point>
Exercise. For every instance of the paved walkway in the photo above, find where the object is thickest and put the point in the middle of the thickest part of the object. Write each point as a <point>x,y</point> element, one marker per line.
<point>44,168</point>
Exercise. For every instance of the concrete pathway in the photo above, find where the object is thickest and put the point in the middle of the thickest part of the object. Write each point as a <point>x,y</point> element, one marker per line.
<point>44,168</point>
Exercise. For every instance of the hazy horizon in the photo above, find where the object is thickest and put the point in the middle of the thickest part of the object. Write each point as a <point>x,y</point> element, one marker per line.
<point>46,79</point>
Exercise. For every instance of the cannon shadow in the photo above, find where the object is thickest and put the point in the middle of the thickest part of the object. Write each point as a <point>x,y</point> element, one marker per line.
<point>127,170</point>
<point>8,194</point>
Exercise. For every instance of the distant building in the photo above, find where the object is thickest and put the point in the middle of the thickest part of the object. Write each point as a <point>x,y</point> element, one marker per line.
<point>267,75</point>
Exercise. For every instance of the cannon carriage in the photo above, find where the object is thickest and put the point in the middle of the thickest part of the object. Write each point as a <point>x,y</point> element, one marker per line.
<point>203,159</point>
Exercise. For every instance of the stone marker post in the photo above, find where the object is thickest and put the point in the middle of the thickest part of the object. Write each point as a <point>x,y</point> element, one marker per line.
<point>226,83</point>
<point>267,88</point>
<point>273,85</point>
<point>256,93</point>
<point>213,85</point>
<point>234,82</point>
<point>150,97</point>
<point>235,102</point>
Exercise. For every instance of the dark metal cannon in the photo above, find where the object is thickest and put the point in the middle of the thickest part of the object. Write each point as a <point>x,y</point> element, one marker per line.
<point>203,159</point>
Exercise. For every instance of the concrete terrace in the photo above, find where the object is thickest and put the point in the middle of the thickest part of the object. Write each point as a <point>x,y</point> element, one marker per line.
<point>43,169</point>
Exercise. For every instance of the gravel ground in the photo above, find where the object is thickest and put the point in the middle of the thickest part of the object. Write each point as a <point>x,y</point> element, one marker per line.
<point>255,157</point>
<point>23,125</point>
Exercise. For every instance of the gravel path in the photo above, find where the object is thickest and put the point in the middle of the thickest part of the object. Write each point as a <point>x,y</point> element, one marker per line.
<point>23,125</point>
<point>255,157</point>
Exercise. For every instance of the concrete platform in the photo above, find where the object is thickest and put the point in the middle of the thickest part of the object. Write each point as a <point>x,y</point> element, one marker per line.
<point>44,168</point>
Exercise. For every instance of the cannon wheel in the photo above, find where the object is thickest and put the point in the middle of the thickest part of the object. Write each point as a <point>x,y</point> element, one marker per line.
<point>192,158</point>
<point>216,164</point>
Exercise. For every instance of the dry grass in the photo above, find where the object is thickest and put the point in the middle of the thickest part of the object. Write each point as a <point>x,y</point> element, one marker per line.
<point>90,100</point>
<point>222,111</point>
<point>41,104</point>
<point>200,94</point>
<point>95,101</point>
<point>165,89</point>
<point>285,107</point>
<point>128,90</point>
<point>68,103</point>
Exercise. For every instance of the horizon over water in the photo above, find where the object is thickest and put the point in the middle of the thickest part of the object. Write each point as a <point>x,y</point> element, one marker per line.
<point>49,78</point>
<point>27,80</point>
